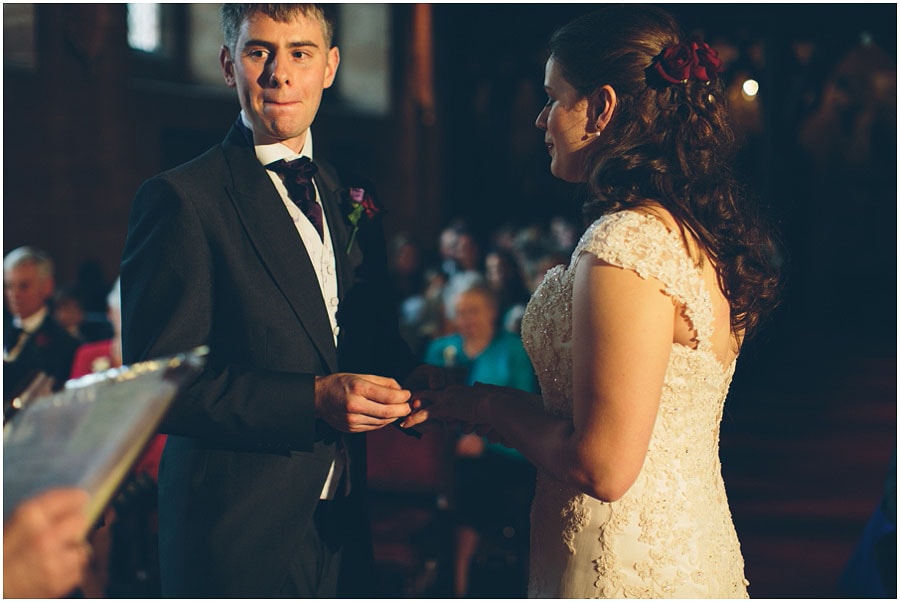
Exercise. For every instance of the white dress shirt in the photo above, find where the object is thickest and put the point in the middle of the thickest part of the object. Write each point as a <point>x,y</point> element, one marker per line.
<point>321,254</point>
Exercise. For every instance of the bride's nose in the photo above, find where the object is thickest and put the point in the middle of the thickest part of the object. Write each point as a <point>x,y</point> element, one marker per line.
<point>541,121</point>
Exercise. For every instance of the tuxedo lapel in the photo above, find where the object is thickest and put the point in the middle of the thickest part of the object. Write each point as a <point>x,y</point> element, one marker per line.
<point>269,227</point>
<point>330,196</point>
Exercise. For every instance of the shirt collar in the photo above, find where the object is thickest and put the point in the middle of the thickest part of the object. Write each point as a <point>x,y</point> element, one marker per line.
<point>269,153</point>
<point>32,322</point>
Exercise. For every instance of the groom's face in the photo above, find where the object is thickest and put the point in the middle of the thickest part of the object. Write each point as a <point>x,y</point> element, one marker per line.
<point>279,71</point>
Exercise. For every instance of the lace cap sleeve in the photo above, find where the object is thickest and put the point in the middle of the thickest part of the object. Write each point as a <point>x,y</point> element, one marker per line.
<point>642,243</point>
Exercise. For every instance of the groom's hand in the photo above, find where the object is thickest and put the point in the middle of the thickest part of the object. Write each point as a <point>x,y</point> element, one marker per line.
<point>356,403</point>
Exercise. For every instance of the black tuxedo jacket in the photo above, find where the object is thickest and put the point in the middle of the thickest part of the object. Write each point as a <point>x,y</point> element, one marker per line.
<point>50,349</point>
<point>213,258</point>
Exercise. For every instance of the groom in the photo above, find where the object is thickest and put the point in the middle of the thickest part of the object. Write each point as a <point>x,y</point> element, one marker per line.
<point>261,479</point>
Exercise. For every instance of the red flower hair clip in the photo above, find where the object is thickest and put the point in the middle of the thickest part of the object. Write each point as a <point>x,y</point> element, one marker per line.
<point>681,62</point>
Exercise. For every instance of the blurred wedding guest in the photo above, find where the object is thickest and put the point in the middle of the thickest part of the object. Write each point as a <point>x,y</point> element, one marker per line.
<point>32,341</point>
<point>468,251</point>
<point>478,346</point>
<point>98,356</point>
<point>422,316</point>
<point>467,255</point>
<point>504,276</point>
<point>455,285</point>
<point>503,236</point>
<point>69,312</point>
<point>44,551</point>
<point>563,235</point>
<point>529,243</point>
<point>406,266</point>
<point>539,267</point>
<point>494,483</point>
<point>447,243</point>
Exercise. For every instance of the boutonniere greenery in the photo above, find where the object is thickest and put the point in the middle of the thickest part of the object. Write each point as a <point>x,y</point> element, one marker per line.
<point>362,207</point>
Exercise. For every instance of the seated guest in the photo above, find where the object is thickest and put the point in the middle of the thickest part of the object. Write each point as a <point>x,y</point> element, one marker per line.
<point>32,341</point>
<point>487,354</point>
<point>422,317</point>
<point>494,483</point>
<point>69,312</point>
<point>504,275</point>
<point>102,355</point>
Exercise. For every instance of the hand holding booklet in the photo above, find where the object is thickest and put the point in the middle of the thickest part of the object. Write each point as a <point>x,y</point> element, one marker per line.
<point>90,434</point>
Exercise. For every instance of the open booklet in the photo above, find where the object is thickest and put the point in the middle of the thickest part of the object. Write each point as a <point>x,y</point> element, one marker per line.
<point>90,434</point>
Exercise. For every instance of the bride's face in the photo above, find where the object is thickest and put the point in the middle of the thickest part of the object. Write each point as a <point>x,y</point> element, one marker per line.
<point>564,120</point>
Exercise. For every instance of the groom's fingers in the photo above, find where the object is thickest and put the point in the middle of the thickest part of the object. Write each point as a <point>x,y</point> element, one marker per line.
<point>376,396</point>
<point>383,381</point>
<point>378,407</point>
<point>358,403</point>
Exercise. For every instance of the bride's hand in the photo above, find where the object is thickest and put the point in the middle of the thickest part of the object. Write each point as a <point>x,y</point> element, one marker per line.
<point>456,403</point>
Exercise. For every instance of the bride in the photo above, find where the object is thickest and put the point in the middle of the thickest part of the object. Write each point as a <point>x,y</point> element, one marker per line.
<point>635,341</point>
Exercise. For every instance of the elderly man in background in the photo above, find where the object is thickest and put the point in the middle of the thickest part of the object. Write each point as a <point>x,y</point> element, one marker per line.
<point>33,341</point>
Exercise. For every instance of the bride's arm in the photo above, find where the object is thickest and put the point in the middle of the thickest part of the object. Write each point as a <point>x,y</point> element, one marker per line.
<point>622,336</point>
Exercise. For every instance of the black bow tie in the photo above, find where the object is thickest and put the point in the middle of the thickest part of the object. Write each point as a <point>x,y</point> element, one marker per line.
<point>297,176</point>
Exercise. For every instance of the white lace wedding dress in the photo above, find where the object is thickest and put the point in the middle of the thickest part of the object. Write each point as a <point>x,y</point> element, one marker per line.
<point>671,535</point>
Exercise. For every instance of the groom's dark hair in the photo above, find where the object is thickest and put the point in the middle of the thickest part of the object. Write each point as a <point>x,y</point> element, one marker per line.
<point>233,15</point>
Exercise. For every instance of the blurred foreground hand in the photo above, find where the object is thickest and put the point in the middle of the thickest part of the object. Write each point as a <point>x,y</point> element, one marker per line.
<point>44,547</point>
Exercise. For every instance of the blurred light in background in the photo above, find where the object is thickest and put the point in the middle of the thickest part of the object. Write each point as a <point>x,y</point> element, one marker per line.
<point>144,27</point>
<point>750,89</point>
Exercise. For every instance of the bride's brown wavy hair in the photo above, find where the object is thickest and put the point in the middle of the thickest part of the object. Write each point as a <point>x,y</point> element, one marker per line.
<point>671,145</point>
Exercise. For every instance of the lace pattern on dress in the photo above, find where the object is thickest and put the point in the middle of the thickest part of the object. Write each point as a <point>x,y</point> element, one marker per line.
<point>577,516</point>
<point>642,243</point>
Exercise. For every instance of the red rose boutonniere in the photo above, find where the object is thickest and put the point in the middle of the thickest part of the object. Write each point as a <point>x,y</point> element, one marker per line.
<point>42,340</point>
<point>361,206</point>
